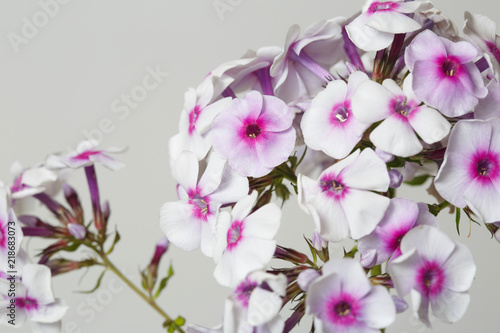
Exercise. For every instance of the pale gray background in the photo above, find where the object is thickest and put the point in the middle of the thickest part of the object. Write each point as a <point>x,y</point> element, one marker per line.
<point>64,81</point>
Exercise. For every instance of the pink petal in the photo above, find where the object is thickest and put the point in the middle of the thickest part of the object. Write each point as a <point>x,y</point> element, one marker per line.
<point>273,148</point>
<point>425,46</point>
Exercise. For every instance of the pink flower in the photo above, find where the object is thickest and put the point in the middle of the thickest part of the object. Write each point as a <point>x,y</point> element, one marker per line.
<point>329,124</point>
<point>401,216</point>
<point>245,240</point>
<point>470,174</point>
<point>254,134</point>
<point>190,222</point>
<point>343,300</point>
<point>437,271</point>
<point>401,115</point>
<point>374,29</point>
<point>444,74</point>
<point>340,201</point>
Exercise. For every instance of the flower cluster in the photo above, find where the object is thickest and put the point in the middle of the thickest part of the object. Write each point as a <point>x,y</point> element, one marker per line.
<point>341,115</point>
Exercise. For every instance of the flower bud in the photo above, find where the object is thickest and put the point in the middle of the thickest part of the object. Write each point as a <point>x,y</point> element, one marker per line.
<point>384,156</point>
<point>396,178</point>
<point>77,230</point>
<point>306,277</point>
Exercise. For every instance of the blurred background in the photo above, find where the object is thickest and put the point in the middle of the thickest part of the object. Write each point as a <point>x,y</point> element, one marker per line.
<point>68,81</point>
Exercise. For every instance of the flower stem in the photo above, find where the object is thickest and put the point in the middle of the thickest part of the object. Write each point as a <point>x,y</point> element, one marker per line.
<point>146,298</point>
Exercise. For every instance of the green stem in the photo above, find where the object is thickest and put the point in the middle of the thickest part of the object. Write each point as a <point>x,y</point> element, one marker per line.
<point>147,299</point>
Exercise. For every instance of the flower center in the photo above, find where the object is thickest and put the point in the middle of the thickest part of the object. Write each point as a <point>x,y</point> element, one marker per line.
<point>484,166</point>
<point>449,67</point>
<point>244,290</point>
<point>332,186</point>
<point>431,279</point>
<point>27,303</point>
<point>342,114</point>
<point>403,109</point>
<point>342,309</point>
<point>201,206</point>
<point>494,50</point>
<point>234,234</point>
<point>252,131</point>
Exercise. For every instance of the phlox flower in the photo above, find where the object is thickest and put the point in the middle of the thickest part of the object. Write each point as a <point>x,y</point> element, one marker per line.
<point>329,124</point>
<point>383,243</point>
<point>255,304</point>
<point>444,74</point>
<point>340,201</point>
<point>481,30</point>
<point>34,300</point>
<point>86,154</point>
<point>254,134</point>
<point>245,240</point>
<point>32,181</point>
<point>437,271</point>
<point>437,22</point>
<point>343,300</point>
<point>470,173</point>
<point>190,222</point>
<point>302,67</point>
<point>375,27</point>
<point>402,116</point>
<point>196,119</point>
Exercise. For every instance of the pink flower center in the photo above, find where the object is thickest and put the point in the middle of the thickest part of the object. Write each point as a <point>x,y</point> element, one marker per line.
<point>493,50</point>
<point>332,186</point>
<point>430,279</point>
<point>382,6</point>
<point>340,113</point>
<point>234,234</point>
<point>193,117</point>
<point>401,106</point>
<point>27,303</point>
<point>244,290</point>
<point>343,310</point>
<point>86,154</point>
<point>201,206</point>
<point>450,67</point>
<point>484,167</point>
<point>252,131</point>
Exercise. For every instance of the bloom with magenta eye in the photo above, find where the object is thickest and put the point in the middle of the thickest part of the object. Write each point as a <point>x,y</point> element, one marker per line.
<point>254,134</point>
<point>470,174</point>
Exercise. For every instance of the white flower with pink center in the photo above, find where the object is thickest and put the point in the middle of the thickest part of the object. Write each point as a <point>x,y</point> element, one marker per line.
<point>254,134</point>
<point>437,271</point>
<point>402,116</point>
<point>245,240</point>
<point>343,300</point>
<point>470,173</point>
<point>383,243</point>
<point>341,202</point>
<point>375,27</point>
<point>86,154</point>
<point>444,73</point>
<point>190,222</point>
<point>34,300</point>
<point>329,124</point>
<point>255,304</point>
<point>196,119</point>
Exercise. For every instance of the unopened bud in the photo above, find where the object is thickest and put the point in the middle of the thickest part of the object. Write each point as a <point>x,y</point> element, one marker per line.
<point>77,230</point>
<point>306,277</point>
<point>396,178</point>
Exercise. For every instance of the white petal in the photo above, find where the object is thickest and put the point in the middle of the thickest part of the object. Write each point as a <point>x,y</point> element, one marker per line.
<point>185,170</point>
<point>264,222</point>
<point>49,313</point>
<point>403,271</point>
<point>363,210</point>
<point>365,37</point>
<point>396,136</point>
<point>379,310</point>
<point>450,306</point>
<point>368,171</point>
<point>263,306</point>
<point>430,243</point>
<point>243,207</point>
<point>392,22</point>
<point>460,269</point>
<point>429,124</point>
<point>330,218</point>
<point>179,225</point>
<point>37,280</point>
<point>484,200</point>
<point>371,102</point>
<point>352,276</point>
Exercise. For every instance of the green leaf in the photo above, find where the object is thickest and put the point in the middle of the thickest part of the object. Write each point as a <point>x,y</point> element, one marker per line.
<point>117,238</point>
<point>96,286</point>
<point>457,219</point>
<point>419,180</point>
<point>164,281</point>
<point>313,250</point>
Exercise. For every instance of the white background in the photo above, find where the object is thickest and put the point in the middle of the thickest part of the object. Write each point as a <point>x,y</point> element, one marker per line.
<point>63,83</point>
